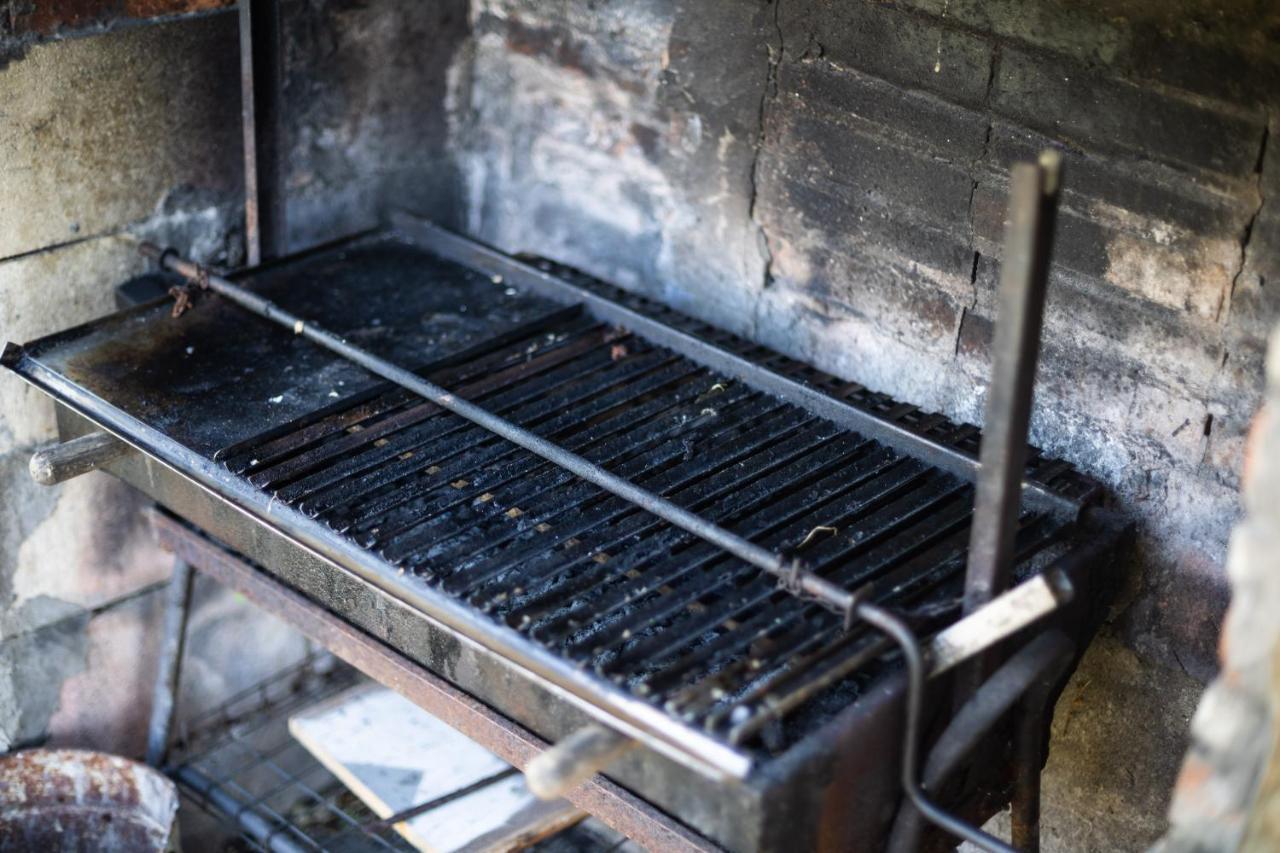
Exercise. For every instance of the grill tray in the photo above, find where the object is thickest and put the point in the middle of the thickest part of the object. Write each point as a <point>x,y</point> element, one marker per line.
<point>648,627</point>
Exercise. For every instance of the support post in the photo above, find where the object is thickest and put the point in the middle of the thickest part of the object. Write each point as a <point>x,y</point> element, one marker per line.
<point>177,605</point>
<point>1023,281</point>
<point>261,84</point>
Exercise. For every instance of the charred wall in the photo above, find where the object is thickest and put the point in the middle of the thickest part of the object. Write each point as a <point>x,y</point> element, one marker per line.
<point>124,118</point>
<point>829,177</point>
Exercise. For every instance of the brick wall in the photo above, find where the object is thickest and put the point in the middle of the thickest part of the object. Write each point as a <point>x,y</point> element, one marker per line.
<point>826,176</point>
<point>830,178</point>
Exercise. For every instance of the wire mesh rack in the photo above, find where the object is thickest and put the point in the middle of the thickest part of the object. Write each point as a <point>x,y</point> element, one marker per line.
<point>239,764</point>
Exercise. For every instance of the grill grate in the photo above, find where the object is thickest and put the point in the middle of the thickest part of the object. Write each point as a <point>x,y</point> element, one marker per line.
<point>587,575</point>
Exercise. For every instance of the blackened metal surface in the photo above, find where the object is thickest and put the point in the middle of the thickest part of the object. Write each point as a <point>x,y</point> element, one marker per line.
<point>666,636</point>
<point>218,375</point>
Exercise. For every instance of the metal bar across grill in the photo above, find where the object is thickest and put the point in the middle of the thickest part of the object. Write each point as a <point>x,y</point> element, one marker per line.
<point>593,577</point>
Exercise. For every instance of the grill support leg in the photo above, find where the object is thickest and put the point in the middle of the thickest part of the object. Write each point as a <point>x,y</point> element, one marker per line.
<point>177,606</point>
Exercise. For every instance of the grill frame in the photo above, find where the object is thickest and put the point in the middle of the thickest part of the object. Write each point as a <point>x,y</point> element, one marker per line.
<point>221,505</point>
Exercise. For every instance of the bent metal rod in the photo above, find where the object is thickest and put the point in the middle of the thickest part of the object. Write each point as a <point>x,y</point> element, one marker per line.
<point>791,574</point>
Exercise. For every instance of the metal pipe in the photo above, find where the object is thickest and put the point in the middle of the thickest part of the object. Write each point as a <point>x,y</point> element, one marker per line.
<point>60,462</point>
<point>260,106</point>
<point>1029,749</point>
<point>790,573</point>
<point>1023,281</point>
<point>169,668</point>
<point>574,760</point>
<point>253,823</point>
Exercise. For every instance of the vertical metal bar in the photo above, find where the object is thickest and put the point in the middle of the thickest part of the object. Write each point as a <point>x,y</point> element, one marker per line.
<point>1024,806</point>
<point>261,80</point>
<point>1024,276</point>
<point>1030,720</point>
<point>177,605</point>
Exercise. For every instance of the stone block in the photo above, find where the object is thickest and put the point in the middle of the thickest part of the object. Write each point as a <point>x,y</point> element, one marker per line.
<point>911,51</point>
<point>1109,115</point>
<point>101,132</point>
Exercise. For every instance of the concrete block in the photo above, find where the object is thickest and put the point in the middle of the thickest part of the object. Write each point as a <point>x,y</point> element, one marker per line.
<point>46,292</point>
<point>97,133</point>
<point>92,549</point>
<point>911,117</point>
<point>107,705</point>
<point>42,643</point>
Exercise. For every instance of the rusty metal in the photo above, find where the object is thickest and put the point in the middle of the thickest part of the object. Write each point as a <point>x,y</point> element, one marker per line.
<point>1031,724</point>
<point>261,104</point>
<point>913,656</point>
<point>512,743</point>
<point>67,799</point>
<point>1018,681</point>
<point>71,17</point>
<point>1024,276</point>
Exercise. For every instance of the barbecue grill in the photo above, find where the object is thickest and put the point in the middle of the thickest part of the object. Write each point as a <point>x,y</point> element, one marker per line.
<point>763,715</point>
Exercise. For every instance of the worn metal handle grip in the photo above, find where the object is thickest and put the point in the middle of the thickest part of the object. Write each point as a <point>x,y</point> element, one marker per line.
<point>60,462</point>
<point>574,760</point>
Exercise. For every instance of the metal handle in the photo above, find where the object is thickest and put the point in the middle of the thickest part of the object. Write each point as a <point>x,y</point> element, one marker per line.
<point>60,462</point>
<point>574,760</point>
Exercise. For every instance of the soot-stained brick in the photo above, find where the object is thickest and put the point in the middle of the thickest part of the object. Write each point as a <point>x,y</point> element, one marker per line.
<point>786,202</point>
<point>952,133</point>
<point>1147,189</point>
<point>1112,115</point>
<point>865,170</point>
<point>905,49</point>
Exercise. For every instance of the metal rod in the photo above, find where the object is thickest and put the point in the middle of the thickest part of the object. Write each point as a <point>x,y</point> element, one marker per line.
<point>252,822</point>
<point>574,760</point>
<point>725,361</point>
<point>790,573</point>
<point>60,462</point>
<point>1023,281</point>
<point>1031,718</point>
<point>260,106</point>
<point>898,631</point>
<point>169,669</point>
